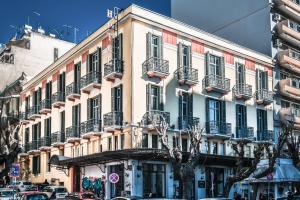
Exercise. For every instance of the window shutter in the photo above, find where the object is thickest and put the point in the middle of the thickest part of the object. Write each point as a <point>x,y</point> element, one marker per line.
<point>73,116</point>
<point>112,99</point>
<point>58,84</point>
<point>180,104</point>
<point>237,73</point>
<point>79,114</point>
<point>265,75</point>
<point>87,63</point>
<point>161,47</point>
<point>45,127</point>
<point>244,73</point>
<point>207,118</point>
<point>190,105</point>
<point>161,98</point>
<point>257,79</point>
<point>100,106</point>
<point>121,97</point>
<point>99,60</point>
<point>207,62</point>
<point>179,55</point>
<point>223,111</point>
<point>148,45</point>
<point>245,115</point>
<point>222,67</point>
<point>39,130</point>
<point>88,107</point>
<point>50,91</point>
<point>190,56</point>
<point>39,96</point>
<point>148,96</point>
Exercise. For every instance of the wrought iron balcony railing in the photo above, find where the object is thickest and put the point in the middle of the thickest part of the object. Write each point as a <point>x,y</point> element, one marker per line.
<point>216,83</point>
<point>24,116</point>
<point>73,132</point>
<point>113,68</point>
<point>34,145</point>
<point>46,104</point>
<point>58,97</point>
<point>218,128</point>
<point>45,141</point>
<point>187,122</point>
<point>34,110</point>
<point>57,137</point>
<point>114,118</point>
<point>92,125</point>
<point>242,91</point>
<point>244,132</point>
<point>265,135</point>
<point>73,88</point>
<point>90,78</point>
<point>156,67</point>
<point>264,96</point>
<point>155,117</point>
<point>187,75</point>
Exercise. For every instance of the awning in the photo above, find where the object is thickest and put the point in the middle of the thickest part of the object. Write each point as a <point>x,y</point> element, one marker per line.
<point>138,154</point>
<point>284,171</point>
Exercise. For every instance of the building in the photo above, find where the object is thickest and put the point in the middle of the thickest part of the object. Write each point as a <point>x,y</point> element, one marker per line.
<point>268,26</point>
<point>30,53</point>
<point>87,113</point>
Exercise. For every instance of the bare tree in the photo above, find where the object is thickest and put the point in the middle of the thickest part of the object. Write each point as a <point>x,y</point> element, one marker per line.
<point>184,170</point>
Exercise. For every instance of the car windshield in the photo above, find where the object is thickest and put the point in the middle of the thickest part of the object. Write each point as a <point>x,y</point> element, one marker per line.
<point>26,183</point>
<point>60,190</point>
<point>6,193</point>
<point>88,196</point>
<point>37,197</point>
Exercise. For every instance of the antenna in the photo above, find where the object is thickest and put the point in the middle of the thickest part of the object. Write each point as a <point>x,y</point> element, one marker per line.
<point>75,31</point>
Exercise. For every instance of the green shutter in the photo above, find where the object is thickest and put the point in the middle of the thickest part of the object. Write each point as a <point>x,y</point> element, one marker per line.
<point>223,111</point>
<point>190,105</point>
<point>39,130</point>
<point>73,116</point>
<point>121,97</point>
<point>99,60</point>
<point>207,62</point>
<point>148,96</point>
<point>161,47</point>
<point>257,79</point>
<point>207,109</point>
<point>179,55</point>
<point>112,99</point>
<point>180,104</point>
<point>244,73</point>
<point>87,63</point>
<point>190,56</point>
<point>237,73</point>
<point>222,62</point>
<point>100,106</point>
<point>161,98</point>
<point>88,108</point>
<point>265,75</point>
<point>79,114</point>
<point>45,127</point>
<point>148,45</point>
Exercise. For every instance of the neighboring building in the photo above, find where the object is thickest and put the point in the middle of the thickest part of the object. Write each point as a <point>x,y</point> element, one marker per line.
<point>87,113</point>
<point>29,54</point>
<point>269,26</point>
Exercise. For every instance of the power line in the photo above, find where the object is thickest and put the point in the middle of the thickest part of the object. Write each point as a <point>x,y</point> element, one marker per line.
<point>239,19</point>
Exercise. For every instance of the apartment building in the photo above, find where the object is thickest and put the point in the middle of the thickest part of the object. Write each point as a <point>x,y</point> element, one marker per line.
<point>267,26</point>
<point>89,113</point>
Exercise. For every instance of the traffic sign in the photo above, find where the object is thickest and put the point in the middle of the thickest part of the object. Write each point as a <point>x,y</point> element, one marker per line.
<point>270,176</point>
<point>113,178</point>
<point>15,170</point>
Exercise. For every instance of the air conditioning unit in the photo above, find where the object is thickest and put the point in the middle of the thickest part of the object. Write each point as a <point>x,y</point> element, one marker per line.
<point>277,43</point>
<point>276,17</point>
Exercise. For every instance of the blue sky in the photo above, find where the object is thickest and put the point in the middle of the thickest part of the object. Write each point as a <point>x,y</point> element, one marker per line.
<point>52,15</point>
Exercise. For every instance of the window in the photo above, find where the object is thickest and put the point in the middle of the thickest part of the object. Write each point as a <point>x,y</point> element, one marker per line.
<point>76,119</point>
<point>94,109</point>
<point>215,65</point>
<point>154,141</point>
<point>240,73</point>
<point>285,104</point>
<point>109,144</point>
<point>55,54</point>
<point>185,110</point>
<point>48,168</point>
<point>215,116</point>
<point>145,140</point>
<point>154,97</point>
<point>248,151</point>
<point>117,52</point>
<point>222,149</point>
<point>116,143</point>
<point>93,62</point>
<point>117,98</point>
<point>215,148</point>
<point>294,54</point>
<point>184,144</point>
<point>294,25</point>
<point>185,56</point>
<point>175,142</point>
<point>47,127</point>
<point>261,80</point>
<point>77,77</point>
<point>62,122</point>
<point>296,1</point>
<point>48,91</point>
<point>154,180</point>
<point>36,165</point>
<point>262,125</point>
<point>241,120</point>
<point>155,46</point>
<point>122,141</point>
<point>295,83</point>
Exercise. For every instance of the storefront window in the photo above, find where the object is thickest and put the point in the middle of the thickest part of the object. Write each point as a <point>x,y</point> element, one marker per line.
<point>154,180</point>
<point>214,182</point>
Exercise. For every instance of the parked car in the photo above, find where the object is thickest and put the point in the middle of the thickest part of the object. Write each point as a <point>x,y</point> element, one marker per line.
<point>6,194</point>
<point>20,186</point>
<point>215,199</point>
<point>31,188</point>
<point>127,198</point>
<point>31,195</point>
<point>55,192</point>
<point>81,196</point>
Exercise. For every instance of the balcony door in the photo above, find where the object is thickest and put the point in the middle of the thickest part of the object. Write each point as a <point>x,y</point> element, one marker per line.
<point>215,65</point>
<point>240,74</point>
<point>215,116</point>
<point>154,98</point>
<point>262,123</point>
<point>241,119</point>
<point>185,109</point>
<point>261,80</point>
<point>48,91</point>
<point>77,76</point>
<point>116,98</point>
<point>76,119</point>
<point>117,52</point>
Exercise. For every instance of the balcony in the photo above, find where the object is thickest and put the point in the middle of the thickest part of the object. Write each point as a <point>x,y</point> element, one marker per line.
<point>91,128</point>
<point>57,139</point>
<point>289,8</point>
<point>242,91</point>
<point>290,60</point>
<point>113,69</point>
<point>265,136</point>
<point>58,99</point>
<point>244,133</point>
<point>215,83</point>
<point>34,112</point>
<point>33,147</point>
<point>91,80</point>
<point>217,129</point>
<point>45,106</point>
<point>156,67</point>
<point>73,91</point>
<point>287,30</point>
<point>73,134</point>
<point>113,120</point>
<point>26,149</point>
<point>186,76</point>
<point>290,115</point>
<point>187,122</point>
<point>286,89</point>
<point>24,118</point>
<point>155,117</point>
<point>45,143</point>
<point>264,97</point>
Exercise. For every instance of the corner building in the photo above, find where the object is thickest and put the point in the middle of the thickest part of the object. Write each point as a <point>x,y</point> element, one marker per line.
<point>88,113</point>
